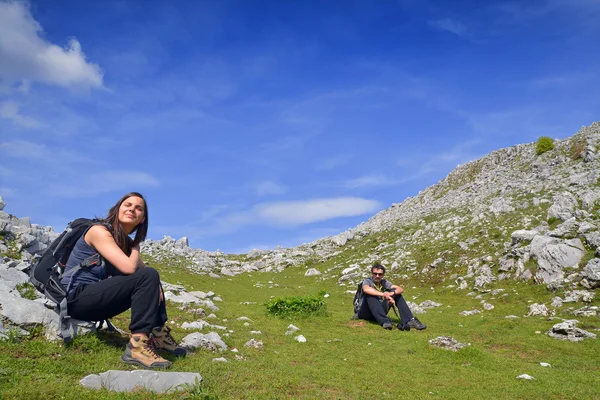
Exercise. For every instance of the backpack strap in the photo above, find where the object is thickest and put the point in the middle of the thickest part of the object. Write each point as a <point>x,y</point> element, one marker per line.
<point>64,321</point>
<point>95,259</point>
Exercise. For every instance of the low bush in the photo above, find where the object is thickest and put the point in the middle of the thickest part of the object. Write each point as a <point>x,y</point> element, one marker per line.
<point>544,144</point>
<point>577,149</point>
<point>296,306</point>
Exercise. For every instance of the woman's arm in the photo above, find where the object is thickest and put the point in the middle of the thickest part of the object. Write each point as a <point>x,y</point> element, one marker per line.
<point>100,239</point>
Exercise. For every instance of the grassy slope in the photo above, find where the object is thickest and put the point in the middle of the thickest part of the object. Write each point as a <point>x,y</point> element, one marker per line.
<point>324,367</point>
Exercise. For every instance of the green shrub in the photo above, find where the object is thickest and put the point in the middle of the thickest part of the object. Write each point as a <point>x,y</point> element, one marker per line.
<point>296,306</point>
<point>544,144</point>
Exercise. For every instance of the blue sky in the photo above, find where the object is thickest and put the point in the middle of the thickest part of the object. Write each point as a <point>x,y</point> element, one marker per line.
<point>252,124</point>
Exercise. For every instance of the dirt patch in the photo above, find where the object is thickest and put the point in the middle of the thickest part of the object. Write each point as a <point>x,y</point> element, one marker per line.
<point>356,324</point>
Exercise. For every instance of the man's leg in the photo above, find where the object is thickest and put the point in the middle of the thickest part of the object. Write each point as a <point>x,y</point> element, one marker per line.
<point>405,313</point>
<point>374,310</point>
<point>408,319</point>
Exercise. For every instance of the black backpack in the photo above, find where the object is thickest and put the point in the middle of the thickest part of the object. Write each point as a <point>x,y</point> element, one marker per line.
<point>358,299</point>
<point>47,273</point>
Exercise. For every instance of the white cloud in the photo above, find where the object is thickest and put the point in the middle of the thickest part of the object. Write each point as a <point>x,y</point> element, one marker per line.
<point>308,211</point>
<point>10,111</point>
<point>450,25</point>
<point>26,55</point>
<point>371,180</point>
<point>269,188</point>
<point>104,182</point>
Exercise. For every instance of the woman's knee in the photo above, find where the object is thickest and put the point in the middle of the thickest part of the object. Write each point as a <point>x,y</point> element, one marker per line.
<point>148,273</point>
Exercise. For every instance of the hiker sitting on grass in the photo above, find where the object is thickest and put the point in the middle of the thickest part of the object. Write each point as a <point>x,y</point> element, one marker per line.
<point>121,282</point>
<point>378,296</point>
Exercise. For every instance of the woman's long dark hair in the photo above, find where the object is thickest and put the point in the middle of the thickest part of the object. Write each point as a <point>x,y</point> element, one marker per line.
<point>121,238</point>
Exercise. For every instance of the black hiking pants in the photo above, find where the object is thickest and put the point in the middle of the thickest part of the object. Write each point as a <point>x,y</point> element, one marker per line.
<point>139,291</point>
<point>373,309</point>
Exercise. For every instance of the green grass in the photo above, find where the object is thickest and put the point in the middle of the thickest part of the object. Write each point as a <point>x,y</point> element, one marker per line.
<point>342,359</point>
<point>27,290</point>
<point>11,244</point>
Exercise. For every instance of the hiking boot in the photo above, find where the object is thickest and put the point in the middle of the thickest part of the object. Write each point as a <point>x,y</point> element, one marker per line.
<point>403,327</point>
<point>140,351</point>
<point>416,324</point>
<point>162,340</point>
<point>387,325</point>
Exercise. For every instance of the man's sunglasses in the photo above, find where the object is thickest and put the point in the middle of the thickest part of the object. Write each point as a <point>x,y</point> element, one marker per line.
<point>377,273</point>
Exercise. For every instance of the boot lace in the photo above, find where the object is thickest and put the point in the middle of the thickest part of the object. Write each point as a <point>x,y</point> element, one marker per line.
<point>150,347</point>
<point>168,338</point>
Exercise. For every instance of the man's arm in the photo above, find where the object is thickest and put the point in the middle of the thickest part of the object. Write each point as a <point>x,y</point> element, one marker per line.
<point>397,289</point>
<point>372,291</point>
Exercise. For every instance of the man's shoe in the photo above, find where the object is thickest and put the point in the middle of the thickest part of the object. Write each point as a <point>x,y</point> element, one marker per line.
<point>403,327</point>
<point>162,340</point>
<point>387,325</point>
<point>140,351</point>
<point>416,324</point>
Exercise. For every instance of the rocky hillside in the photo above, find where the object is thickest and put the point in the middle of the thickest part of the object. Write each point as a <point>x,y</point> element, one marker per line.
<point>513,214</point>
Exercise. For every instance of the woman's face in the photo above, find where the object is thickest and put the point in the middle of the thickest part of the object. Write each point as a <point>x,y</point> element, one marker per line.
<point>132,211</point>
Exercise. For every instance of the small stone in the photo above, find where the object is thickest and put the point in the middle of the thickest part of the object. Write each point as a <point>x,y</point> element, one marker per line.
<point>300,338</point>
<point>526,377</point>
<point>220,359</point>
<point>543,364</point>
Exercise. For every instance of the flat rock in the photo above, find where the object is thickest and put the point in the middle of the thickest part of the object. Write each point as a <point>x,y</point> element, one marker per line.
<point>128,381</point>
<point>447,343</point>
<point>526,377</point>
<point>567,330</point>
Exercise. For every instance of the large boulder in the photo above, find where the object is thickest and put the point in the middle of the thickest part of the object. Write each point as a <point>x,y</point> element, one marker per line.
<point>591,273</point>
<point>554,255</point>
<point>563,207</point>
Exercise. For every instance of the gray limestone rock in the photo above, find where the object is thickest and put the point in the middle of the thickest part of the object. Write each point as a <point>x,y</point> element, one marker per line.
<point>563,207</point>
<point>13,276</point>
<point>27,313</point>
<point>526,377</point>
<point>183,298</point>
<point>575,295</point>
<point>591,272</point>
<point>257,344</point>
<point>568,229</point>
<point>470,312</point>
<point>312,272</point>
<point>211,341</point>
<point>567,330</point>
<point>593,239</point>
<point>129,381</point>
<point>554,255</point>
<point>538,310</point>
<point>501,205</point>
<point>589,199</point>
<point>447,343</point>
<point>557,302</point>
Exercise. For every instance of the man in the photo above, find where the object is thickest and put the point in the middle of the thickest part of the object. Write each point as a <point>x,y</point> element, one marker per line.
<point>378,295</point>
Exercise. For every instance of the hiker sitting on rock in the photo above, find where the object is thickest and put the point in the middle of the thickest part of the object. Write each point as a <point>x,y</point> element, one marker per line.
<point>378,296</point>
<point>121,282</point>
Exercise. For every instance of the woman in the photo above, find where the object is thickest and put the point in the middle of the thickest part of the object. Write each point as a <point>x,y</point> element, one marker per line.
<point>130,283</point>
